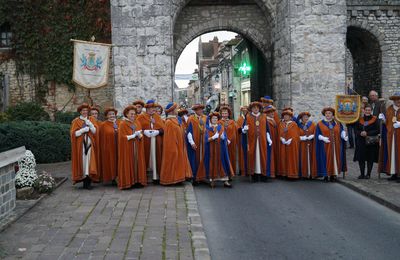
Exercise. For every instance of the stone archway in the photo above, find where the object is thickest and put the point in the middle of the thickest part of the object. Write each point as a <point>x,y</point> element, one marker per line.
<point>366,58</point>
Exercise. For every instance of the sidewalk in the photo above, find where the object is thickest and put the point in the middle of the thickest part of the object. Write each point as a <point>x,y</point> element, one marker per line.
<point>381,190</point>
<point>149,223</point>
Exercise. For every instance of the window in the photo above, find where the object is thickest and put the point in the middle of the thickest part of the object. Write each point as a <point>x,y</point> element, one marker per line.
<point>5,36</point>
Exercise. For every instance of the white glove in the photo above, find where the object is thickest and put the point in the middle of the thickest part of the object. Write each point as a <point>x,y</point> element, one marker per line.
<point>89,123</point>
<point>245,129</point>
<point>324,139</point>
<point>382,117</point>
<point>155,133</point>
<point>344,137</point>
<point>147,133</point>
<point>215,136</point>
<point>396,125</point>
<point>130,137</point>
<point>303,138</point>
<point>190,138</point>
<point>283,140</point>
<point>81,131</point>
<point>310,137</point>
<point>222,136</point>
<point>229,142</point>
<point>85,129</point>
<point>289,141</point>
<point>269,140</point>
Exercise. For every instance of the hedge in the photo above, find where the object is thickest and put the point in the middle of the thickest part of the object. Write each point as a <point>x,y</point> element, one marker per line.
<point>65,117</point>
<point>48,141</point>
<point>29,111</point>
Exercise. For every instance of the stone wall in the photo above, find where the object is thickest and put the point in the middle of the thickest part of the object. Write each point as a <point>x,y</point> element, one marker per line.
<point>382,20</point>
<point>58,97</point>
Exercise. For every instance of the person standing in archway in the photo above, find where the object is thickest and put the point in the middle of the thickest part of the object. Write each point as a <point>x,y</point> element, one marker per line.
<point>330,146</point>
<point>256,131</point>
<point>153,130</point>
<point>231,134</point>
<point>94,113</point>
<point>392,137</point>
<point>289,135</point>
<point>268,101</point>
<point>272,148</point>
<point>139,104</point>
<point>195,136</point>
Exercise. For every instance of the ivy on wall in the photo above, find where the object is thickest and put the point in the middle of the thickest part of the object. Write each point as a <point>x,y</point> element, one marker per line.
<point>42,30</point>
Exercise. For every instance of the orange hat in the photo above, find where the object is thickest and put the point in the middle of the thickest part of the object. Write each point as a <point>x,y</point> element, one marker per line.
<point>287,112</point>
<point>84,105</point>
<point>138,102</point>
<point>197,106</point>
<point>243,108</point>
<point>170,107</point>
<point>328,109</point>
<point>109,109</point>
<point>182,111</point>
<point>269,109</point>
<point>395,96</point>
<point>150,103</point>
<point>159,106</point>
<point>226,107</point>
<point>267,99</point>
<point>306,113</point>
<point>95,108</point>
<point>255,103</point>
<point>288,108</point>
<point>211,115</point>
<point>129,108</point>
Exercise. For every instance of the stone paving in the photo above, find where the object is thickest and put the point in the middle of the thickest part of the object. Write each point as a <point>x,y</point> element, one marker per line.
<point>379,189</point>
<point>105,223</point>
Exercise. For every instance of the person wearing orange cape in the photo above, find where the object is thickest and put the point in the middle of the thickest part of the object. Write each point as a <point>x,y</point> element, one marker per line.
<point>231,133</point>
<point>289,136</point>
<point>175,167</point>
<point>109,146</point>
<point>273,149</point>
<point>159,110</point>
<point>139,105</point>
<point>330,145</point>
<point>153,130</point>
<point>308,164</point>
<point>391,138</point>
<point>257,137</point>
<point>183,114</point>
<point>83,148</point>
<point>215,165</point>
<point>242,142</point>
<point>195,139</point>
<point>94,113</point>
<point>131,159</point>
<point>268,101</point>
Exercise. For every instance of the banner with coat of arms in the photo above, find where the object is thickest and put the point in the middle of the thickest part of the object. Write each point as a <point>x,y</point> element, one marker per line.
<point>348,108</point>
<point>91,64</point>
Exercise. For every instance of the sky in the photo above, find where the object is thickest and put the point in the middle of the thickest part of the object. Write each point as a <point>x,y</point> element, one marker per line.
<point>187,61</point>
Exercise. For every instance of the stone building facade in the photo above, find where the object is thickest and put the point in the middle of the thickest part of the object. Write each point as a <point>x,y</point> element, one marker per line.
<point>304,43</point>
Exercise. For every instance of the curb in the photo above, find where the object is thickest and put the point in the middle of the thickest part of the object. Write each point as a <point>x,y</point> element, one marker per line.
<point>370,195</point>
<point>14,218</point>
<point>201,250</point>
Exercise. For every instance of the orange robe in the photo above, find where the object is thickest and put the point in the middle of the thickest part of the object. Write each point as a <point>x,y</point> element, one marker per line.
<point>273,161</point>
<point>393,142</point>
<point>175,165</point>
<point>257,131</point>
<point>77,144</point>
<point>307,151</point>
<point>216,170</point>
<point>196,127</point>
<point>109,150</point>
<point>289,154</point>
<point>242,164</point>
<point>232,134</point>
<point>327,152</point>
<point>131,160</point>
<point>157,124</point>
<point>97,124</point>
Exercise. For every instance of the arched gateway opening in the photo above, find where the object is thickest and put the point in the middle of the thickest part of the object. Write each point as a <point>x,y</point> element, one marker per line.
<point>254,27</point>
<point>363,61</point>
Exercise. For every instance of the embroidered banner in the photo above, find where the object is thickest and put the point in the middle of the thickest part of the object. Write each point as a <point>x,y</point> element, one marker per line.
<point>348,108</point>
<point>91,64</point>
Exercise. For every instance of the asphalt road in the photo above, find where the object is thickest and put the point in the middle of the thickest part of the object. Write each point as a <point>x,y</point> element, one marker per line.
<point>296,220</point>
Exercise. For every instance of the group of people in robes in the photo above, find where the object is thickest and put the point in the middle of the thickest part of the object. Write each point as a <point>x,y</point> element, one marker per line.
<point>214,148</point>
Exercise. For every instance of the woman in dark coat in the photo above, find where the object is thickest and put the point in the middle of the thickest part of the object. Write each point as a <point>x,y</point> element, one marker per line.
<point>368,125</point>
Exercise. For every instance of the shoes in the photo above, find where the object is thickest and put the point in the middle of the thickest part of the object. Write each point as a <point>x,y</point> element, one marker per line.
<point>368,176</point>
<point>87,183</point>
<point>195,183</point>
<point>264,178</point>
<point>212,184</point>
<point>392,178</point>
<point>362,176</point>
<point>156,182</point>
<point>333,179</point>
<point>227,184</point>
<point>326,179</point>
